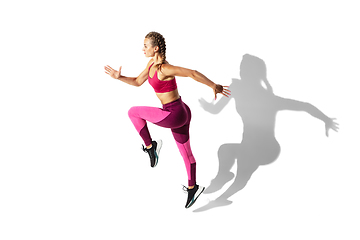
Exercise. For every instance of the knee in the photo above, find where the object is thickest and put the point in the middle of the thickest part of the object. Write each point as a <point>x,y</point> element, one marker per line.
<point>132,111</point>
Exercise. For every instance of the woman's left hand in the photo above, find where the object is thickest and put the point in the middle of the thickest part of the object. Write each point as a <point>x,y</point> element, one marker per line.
<point>221,89</point>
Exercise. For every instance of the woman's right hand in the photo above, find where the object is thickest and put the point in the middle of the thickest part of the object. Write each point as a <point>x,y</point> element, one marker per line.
<point>112,72</point>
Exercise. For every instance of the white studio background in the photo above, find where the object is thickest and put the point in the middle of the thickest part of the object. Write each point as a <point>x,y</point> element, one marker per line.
<point>71,165</point>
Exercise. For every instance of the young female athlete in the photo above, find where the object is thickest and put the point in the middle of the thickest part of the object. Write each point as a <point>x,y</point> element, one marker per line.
<point>175,114</point>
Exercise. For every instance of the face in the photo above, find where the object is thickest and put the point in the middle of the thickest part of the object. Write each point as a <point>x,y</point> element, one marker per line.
<point>148,49</point>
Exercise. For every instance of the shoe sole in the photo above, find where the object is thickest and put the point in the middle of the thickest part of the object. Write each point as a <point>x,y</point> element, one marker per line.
<point>197,194</point>
<point>158,147</point>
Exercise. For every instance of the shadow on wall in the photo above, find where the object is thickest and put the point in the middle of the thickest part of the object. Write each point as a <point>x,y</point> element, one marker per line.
<point>257,106</point>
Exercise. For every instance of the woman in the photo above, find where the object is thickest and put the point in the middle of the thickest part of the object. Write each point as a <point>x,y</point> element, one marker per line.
<point>175,114</point>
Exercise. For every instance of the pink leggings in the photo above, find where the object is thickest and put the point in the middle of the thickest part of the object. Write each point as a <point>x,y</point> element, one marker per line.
<point>176,116</point>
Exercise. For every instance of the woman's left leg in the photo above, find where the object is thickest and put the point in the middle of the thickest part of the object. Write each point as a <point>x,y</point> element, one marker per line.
<point>139,116</point>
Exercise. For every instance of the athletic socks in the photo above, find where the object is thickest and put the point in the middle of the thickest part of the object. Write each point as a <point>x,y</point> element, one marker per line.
<point>193,194</point>
<point>154,152</point>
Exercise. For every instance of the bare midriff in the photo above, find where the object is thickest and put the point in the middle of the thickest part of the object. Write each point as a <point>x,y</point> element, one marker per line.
<point>168,97</point>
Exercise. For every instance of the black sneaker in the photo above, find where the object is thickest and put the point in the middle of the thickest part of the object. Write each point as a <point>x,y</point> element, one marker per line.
<point>193,194</point>
<point>154,152</point>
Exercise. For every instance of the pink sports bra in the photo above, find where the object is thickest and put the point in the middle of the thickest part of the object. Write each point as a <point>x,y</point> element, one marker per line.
<point>161,86</point>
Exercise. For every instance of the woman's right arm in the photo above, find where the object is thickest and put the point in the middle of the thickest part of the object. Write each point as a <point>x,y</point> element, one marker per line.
<point>134,81</point>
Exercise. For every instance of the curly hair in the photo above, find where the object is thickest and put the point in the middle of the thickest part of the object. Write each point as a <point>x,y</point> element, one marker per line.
<point>157,40</point>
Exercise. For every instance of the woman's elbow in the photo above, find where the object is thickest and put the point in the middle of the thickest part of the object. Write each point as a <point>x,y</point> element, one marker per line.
<point>138,83</point>
<point>193,74</point>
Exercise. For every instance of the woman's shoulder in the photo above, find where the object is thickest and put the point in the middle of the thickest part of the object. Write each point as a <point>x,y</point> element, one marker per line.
<point>166,71</point>
<point>166,65</point>
<point>151,61</point>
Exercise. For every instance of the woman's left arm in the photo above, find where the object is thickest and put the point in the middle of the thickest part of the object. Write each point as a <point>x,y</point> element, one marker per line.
<point>170,70</point>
